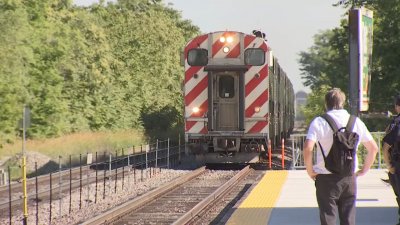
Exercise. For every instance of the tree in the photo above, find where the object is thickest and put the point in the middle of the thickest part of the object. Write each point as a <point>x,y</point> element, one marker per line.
<point>326,62</point>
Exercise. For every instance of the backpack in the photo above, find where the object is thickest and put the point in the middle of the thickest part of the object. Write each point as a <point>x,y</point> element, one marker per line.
<point>341,158</point>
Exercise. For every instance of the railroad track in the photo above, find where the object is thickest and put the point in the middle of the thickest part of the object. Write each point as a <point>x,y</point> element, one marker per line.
<point>42,182</point>
<point>175,203</point>
<point>220,212</point>
<point>42,179</point>
<point>69,181</point>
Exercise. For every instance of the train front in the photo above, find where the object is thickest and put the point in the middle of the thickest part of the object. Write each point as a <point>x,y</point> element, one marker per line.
<point>226,96</point>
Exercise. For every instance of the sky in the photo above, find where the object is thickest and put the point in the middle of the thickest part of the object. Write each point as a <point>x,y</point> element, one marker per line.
<point>289,25</point>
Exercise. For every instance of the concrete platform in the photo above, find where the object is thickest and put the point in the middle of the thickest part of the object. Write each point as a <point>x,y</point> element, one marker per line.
<point>297,204</point>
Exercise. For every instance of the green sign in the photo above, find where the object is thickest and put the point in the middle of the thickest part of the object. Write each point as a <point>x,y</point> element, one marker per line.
<point>365,45</point>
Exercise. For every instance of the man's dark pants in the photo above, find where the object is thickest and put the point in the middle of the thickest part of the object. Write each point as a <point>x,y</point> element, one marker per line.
<point>336,196</point>
<point>395,182</point>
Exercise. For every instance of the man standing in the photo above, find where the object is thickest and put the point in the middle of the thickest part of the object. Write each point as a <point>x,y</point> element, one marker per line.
<point>336,194</point>
<point>391,152</point>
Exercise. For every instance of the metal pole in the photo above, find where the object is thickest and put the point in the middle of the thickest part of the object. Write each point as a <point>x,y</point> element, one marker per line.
<point>148,145</point>
<point>129,169</point>
<point>37,194</point>
<point>123,168</point>
<point>283,153</point>
<point>87,181</point>
<point>9,194</point>
<point>51,197</point>
<point>116,171</point>
<point>293,156</point>
<point>156,153</point>
<point>109,174</point>
<point>353,62</point>
<point>379,153</point>
<point>168,154</point>
<point>59,185</point>
<point>70,183</point>
<point>179,148</point>
<point>95,194</point>
<point>80,181</point>
<point>104,176</point>
<point>25,198</point>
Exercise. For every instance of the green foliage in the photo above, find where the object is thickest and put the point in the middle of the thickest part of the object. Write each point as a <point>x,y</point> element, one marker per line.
<point>315,104</point>
<point>102,67</point>
<point>326,62</point>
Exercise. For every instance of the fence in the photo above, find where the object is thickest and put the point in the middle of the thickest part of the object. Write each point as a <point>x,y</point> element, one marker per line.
<point>297,141</point>
<point>108,173</point>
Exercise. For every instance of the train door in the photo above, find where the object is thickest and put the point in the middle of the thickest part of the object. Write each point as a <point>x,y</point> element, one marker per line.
<point>226,101</point>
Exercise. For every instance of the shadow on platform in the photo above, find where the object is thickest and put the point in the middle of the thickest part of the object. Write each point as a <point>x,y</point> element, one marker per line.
<point>310,216</point>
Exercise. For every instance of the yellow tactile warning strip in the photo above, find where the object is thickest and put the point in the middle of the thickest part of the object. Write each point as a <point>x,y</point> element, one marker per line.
<point>257,207</point>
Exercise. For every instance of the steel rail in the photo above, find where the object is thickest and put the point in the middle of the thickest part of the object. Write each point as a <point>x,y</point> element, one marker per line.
<point>122,209</point>
<point>217,194</point>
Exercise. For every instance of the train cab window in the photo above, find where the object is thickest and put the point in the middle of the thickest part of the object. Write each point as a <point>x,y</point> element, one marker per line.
<point>254,57</point>
<point>197,57</point>
<point>226,87</point>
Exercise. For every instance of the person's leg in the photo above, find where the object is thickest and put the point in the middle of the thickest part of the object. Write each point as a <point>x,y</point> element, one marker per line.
<point>327,194</point>
<point>347,201</point>
<point>395,182</point>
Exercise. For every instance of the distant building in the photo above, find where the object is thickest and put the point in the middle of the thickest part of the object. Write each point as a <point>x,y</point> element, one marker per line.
<point>300,101</point>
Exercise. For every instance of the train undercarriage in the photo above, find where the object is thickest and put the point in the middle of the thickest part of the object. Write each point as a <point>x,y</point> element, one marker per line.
<point>228,149</point>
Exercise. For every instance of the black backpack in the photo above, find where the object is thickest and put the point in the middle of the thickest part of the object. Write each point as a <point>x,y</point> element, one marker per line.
<point>341,158</point>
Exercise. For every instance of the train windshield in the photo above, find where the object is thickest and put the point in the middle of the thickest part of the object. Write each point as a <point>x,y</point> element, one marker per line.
<point>254,57</point>
<point>197,57</point>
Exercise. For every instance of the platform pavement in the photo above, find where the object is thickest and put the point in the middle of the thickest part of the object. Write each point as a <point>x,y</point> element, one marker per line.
<point>297,204</point>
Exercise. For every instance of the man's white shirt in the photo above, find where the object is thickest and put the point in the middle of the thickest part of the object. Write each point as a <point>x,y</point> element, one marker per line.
<point>320,131</point>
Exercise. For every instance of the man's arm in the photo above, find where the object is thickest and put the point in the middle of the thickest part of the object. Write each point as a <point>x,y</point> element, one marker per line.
<point>308,157</point>
<point>369,159</point>
<point>386,157</point>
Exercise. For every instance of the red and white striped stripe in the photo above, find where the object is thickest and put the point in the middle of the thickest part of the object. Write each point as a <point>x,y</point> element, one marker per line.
<point>256,91</point>
<point>256,87</point>
<point>195,88</point>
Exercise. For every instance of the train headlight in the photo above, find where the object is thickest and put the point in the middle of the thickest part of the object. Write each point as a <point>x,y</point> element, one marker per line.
<point>257,109</point>
<point>222,39</point>
<point>229,39</point>
<point>195,109</point>
<point>226,49</point>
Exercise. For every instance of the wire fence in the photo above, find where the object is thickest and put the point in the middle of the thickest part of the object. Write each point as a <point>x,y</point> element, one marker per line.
<point>95,176</point>
<point>297,141</point>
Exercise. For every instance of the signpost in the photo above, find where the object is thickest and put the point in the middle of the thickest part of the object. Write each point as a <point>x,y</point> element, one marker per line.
<point>360,52</point>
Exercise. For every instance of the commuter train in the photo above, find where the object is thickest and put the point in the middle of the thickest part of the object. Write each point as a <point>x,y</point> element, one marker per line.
<point>237,98</point>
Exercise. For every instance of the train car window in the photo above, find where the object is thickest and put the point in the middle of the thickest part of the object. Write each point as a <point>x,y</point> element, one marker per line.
<point>197,57</point>
<point>254,57</point>
<point>226,87</point>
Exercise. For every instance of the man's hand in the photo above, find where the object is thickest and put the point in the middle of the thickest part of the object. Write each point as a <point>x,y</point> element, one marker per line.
<point>308,155</point>
<point>361,172</point>
<point>312,174</point>
<point>392,170</point>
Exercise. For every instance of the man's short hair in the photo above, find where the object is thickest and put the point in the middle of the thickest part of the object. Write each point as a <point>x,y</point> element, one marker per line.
<point>397,100</point>
<point>335,99</point>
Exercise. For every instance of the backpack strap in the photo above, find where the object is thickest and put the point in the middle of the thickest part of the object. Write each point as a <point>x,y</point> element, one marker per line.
<point>350,123</point>
<point>322,150</point>
<point>330,121</point>
<point>334,127</point>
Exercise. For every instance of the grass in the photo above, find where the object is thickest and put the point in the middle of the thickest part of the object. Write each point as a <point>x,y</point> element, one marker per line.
<point>78,143</point>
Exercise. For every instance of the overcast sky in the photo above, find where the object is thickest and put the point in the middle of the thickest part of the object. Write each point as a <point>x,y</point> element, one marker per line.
<point>289,24</point>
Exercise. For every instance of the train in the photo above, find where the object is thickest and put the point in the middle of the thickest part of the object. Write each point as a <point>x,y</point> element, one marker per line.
<point>238,101</point>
